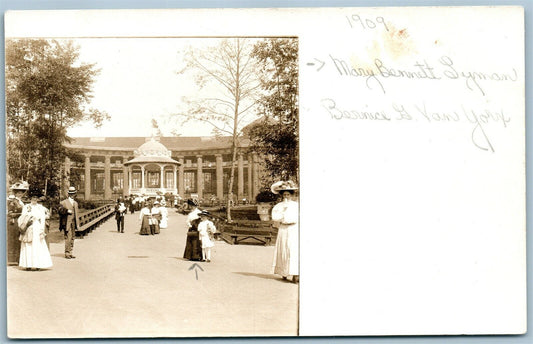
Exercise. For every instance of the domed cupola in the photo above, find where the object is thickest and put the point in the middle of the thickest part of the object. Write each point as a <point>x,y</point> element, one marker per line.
<point>151,152</point>
<point>152,148</point>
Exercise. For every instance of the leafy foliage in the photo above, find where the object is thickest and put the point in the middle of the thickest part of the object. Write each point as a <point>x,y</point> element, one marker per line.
<point>266,196</point>
<point>227,92</point>
<point>275,136</point>
<point>47,91</point>
<point>227,82</point>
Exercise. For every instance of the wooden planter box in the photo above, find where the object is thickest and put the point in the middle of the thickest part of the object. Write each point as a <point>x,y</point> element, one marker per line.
<point>264,209</point>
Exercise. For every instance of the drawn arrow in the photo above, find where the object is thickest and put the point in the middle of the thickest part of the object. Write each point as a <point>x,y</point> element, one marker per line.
<point>321,64</point>
<point>194,266</point>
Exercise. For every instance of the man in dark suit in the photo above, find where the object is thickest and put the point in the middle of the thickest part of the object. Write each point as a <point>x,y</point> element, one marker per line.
<point>68,212</point>
<point>120,210</point>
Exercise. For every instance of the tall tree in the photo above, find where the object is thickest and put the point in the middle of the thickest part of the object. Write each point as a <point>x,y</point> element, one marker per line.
<point>47,91</point>
<point>227,93</point>
<point>275,135</point>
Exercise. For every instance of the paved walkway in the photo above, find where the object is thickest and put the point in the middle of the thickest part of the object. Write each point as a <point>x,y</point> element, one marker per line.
<point>128,285</point>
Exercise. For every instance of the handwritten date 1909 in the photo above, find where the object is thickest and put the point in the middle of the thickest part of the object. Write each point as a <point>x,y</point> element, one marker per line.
<point>356,21</point>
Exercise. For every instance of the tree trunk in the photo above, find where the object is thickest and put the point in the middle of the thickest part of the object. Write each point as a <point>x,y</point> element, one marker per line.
<point>231,181</point>
<point>235,132</point>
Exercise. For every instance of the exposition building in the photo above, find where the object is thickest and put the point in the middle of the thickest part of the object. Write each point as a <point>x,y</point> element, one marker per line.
<point>200,167</point>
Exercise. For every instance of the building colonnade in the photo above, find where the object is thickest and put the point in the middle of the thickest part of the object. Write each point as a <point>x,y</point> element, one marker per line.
<point>105,174</point>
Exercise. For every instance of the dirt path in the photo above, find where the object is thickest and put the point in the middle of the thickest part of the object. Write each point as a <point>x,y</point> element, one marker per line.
<point>128,285</point>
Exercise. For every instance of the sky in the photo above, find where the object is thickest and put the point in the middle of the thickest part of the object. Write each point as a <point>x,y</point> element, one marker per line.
<point>138,82</point>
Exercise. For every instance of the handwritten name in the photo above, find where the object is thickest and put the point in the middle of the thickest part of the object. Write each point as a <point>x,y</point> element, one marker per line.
<point>376,73</point>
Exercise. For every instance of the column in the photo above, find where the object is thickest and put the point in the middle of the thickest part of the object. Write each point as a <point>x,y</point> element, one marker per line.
<point>240,178</point>
<point>250,190</point>
<point>130,171</point>
<point>255,184</point>
<point>107,177</point>
<point>142,178</point>
<point>66,176</point>
<point>199,177</point>
<point>126,177</point>
<point>175,187</point>
<point>161,183</point>
<point>87,166</point>
<point>220,177</point>
<point>181,181</point>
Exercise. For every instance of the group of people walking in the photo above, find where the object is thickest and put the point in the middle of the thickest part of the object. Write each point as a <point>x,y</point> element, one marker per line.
<point>32,222</point>
<point>153,217</point>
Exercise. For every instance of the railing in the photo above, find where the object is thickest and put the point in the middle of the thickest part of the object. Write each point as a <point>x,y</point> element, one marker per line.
<point>91,219</point>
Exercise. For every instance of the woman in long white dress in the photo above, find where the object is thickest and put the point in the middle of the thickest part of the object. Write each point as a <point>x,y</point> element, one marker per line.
<point>34,252</point>
<point>286,252</point>
<point>164,217</point>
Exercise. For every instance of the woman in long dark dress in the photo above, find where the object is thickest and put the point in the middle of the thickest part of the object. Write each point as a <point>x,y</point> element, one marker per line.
<point>193,246</point>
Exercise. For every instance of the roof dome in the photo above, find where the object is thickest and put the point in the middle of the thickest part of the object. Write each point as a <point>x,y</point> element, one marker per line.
<point>152,152</point>
<point>151,148</point>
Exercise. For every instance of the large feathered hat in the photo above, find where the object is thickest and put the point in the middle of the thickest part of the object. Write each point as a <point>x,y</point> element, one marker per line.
<point>192,202</point>
<point>204,213</point>
<point>20,186</point>
<point>280,186</point>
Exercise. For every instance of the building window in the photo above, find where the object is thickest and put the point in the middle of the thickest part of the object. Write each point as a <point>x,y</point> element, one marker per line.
<point>209,183</point>
<point>189,181</point>
<point>136,180</point>
<point>98,182</point>
<point>245,172</point>
<point>169,180</point>
<point>226,182</point>
<point>80,181</point>
<point>118,180</point>
<point>153,179</point>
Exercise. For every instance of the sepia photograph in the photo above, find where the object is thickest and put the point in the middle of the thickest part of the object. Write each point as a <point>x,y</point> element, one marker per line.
<point>265,172</point>
<point>152,187</point>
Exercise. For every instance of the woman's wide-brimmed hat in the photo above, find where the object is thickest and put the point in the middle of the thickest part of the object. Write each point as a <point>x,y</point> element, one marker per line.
<point>35,193</point>
<point>20,186</point>
<point>192,201</point>
<point>71,190</point>
<point>280,186</point>
<point>204,213</point>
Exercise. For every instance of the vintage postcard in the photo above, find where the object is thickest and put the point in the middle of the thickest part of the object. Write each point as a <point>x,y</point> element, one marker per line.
<point>265,172</point>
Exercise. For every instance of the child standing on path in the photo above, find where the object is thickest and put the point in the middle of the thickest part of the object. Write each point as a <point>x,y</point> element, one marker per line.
<point>206,229</point>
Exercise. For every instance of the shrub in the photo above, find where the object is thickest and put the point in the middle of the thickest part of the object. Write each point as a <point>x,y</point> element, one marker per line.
<point>266,196</point>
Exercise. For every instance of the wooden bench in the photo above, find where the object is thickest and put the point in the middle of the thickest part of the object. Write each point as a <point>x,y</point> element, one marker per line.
<point>91,219</point>
<point>259,231</point>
